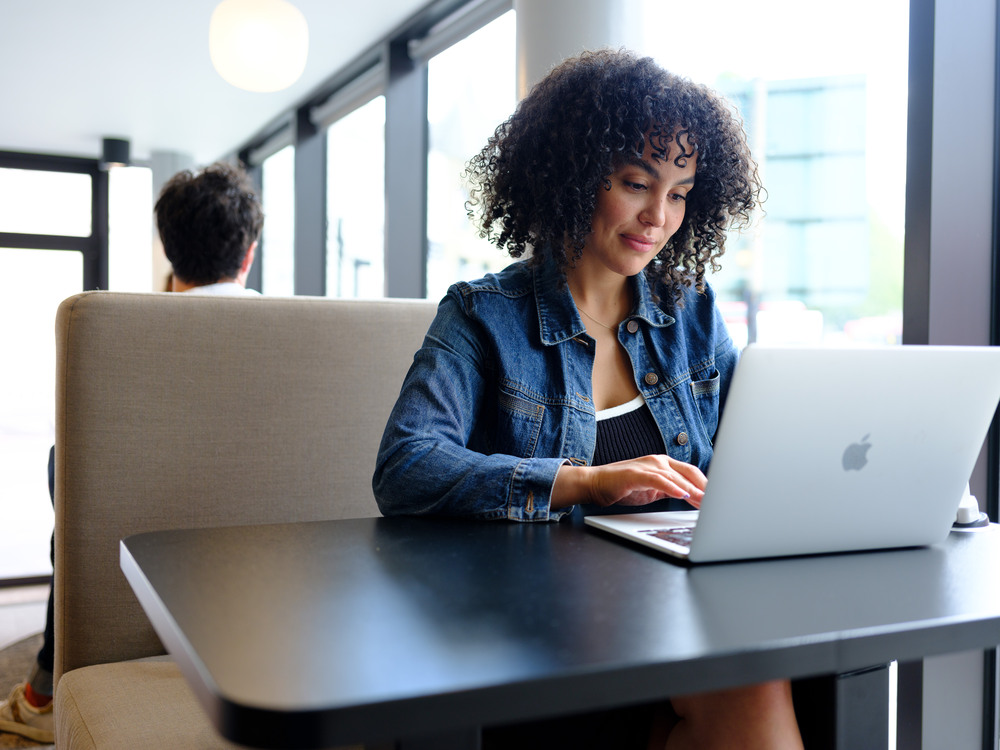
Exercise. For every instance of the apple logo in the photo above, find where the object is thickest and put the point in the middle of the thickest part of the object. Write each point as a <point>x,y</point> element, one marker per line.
<point>855,455</point>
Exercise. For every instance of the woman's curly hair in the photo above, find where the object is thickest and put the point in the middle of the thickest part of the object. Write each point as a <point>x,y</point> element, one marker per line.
<point>535,182</point>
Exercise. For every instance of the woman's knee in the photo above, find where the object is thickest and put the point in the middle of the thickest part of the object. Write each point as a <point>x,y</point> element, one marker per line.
<point>755,710</point>
<point>749,698</point>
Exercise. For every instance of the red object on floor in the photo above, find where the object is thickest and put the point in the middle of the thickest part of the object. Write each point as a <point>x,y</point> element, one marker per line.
<point>36,700</point>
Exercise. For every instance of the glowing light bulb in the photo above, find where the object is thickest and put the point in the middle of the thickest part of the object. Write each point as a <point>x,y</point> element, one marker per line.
<point>258,45</point>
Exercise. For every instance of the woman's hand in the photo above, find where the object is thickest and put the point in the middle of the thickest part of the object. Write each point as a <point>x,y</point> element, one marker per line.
<point>638,481</point>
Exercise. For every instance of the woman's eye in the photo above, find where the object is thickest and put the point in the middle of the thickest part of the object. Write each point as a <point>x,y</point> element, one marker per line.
<point>634,185</point>
<point>678,197</point>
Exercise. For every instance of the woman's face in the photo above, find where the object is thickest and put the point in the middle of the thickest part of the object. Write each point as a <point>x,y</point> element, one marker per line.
<point>643,208</point>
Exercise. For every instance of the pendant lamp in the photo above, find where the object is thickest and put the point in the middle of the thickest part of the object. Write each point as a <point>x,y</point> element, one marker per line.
<point>258,45</point>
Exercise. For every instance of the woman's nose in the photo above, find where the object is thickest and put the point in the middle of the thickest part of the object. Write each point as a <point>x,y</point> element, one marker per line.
<point>654,213</point>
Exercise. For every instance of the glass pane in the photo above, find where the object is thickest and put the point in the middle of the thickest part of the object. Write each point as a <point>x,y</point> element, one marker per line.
<point>277,260</point>
<point>37,202</point>
<point>27,421</point>
<point>355,186</point>
<point>469,94</point>
<point>825,263</point>
<point>130,229</point>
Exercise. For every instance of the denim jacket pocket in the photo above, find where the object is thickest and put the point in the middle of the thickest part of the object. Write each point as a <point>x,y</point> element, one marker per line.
<point>706,396</point>
<point>519,424</point>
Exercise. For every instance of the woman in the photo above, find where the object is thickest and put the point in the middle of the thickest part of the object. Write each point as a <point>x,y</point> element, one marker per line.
<point>591,375</point>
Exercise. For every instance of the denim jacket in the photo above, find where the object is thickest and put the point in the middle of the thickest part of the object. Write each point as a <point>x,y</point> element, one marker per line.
<point>499,396</point>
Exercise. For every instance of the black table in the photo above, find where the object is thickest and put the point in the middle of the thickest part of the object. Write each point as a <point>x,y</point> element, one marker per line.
<point>318,634</point>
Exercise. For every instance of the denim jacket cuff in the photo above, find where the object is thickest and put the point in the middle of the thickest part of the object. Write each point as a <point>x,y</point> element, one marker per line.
<point>531,490</point>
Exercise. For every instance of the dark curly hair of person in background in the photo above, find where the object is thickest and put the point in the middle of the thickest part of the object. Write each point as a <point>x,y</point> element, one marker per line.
<point>534,184</point>
<point>207,221</point>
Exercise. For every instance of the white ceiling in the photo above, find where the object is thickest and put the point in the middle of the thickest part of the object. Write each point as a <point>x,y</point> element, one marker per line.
<point>74,72</point>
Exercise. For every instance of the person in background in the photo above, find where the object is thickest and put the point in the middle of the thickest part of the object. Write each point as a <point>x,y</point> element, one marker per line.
<point>210,223</point>
<point>590,375</point>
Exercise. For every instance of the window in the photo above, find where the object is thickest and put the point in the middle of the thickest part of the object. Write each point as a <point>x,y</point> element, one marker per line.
<point>468,94</point>
<point>47,229</point>
<point>356,203</point>
<point>825,263</point>
<point>130,238</point>
<point>29,199</point>
<point>277,261</point>
<point>27,428</point>
<point>53,226</point>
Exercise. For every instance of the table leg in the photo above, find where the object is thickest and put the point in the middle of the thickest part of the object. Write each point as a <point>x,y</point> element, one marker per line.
<point>844,711</point>
<point>909,705</point>
<point>862,701</point>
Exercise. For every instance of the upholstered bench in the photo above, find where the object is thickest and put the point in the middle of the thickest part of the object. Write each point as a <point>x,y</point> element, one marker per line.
<point>185,411</point>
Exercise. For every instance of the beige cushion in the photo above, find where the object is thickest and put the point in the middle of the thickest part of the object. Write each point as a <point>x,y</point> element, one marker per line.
<point>178,411</point>
<point>129,705</point>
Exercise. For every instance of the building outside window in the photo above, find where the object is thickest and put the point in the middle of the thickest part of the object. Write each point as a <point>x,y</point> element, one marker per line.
<point>824,265</point>
<point>469,94</point>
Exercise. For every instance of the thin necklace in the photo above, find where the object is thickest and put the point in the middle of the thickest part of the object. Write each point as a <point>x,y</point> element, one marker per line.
<point>605,325</point>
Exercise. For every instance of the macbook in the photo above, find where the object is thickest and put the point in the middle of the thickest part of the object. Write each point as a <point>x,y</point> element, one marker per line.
<point>824,450</point>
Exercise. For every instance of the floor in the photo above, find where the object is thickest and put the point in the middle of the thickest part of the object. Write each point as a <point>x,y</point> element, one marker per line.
<point>22,612</point>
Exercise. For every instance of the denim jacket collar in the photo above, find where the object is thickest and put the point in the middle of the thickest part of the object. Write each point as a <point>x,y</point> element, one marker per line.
<point>558,318</point>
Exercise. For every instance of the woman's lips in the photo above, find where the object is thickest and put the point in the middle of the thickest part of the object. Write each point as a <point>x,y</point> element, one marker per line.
<point>639,242</point>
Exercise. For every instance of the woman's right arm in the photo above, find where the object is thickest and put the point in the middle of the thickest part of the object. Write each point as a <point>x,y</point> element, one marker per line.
<point>425,464</point>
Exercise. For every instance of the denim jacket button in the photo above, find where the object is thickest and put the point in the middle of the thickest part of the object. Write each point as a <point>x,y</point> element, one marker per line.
<point>632,326</point>
<point>651,378</point>
<point>682,438</point>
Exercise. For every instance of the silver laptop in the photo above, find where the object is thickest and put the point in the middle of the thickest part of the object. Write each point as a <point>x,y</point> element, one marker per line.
<point>825,450</point>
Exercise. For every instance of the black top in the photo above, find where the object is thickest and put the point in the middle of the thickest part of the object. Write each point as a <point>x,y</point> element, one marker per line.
<point>627,435</point>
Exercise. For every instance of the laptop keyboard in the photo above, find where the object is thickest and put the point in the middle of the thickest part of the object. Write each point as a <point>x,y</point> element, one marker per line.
<point>676,535</point>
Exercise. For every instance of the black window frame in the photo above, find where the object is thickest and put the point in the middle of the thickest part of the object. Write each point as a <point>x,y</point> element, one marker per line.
<point>94,248</point>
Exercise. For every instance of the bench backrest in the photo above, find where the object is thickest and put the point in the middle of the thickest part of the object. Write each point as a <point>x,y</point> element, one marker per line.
<point>177,411</point>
